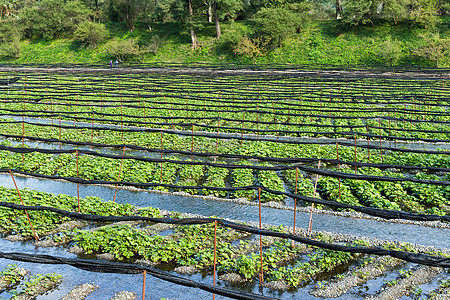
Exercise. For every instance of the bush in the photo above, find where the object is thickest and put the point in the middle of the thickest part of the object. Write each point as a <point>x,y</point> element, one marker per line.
<point>122,49</point>
<point>90,33</point>
<point>10,36</point>
<point>424,13</point>
<point>389,51</point>
<point>435,48</point>
<point>10,49</point>
<point>276,24</point>
<point>51,19</point>
<point>251,48</point>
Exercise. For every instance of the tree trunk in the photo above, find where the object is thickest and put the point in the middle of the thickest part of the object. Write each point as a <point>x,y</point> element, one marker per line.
<point>338,9</point>
<point>216,21</point>
<point>209,12</point>
<point>191,26</point>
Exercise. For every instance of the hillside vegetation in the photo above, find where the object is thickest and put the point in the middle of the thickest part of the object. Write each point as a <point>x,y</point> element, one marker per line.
<point>412,32</point>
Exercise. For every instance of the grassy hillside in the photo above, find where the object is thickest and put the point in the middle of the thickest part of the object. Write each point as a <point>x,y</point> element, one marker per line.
<point>321,42</point>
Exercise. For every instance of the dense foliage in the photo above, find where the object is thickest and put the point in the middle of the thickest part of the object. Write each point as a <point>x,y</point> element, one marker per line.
<point>246,31</point>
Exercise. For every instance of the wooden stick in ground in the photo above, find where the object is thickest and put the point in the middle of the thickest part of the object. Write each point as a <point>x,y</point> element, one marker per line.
<point>60,147</point>
<point>355,155</point>
<point>118,177</point>
<point>339,169</point>
<point>295,205</point>
<point>143,285</point>
<point>312,204</point>
<point>78,185</point>
<point>215,257</point>
<point>261,275</point>
<point>20,197</point>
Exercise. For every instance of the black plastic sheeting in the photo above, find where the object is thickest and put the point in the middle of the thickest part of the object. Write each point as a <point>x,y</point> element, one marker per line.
<point>381,213</point>
<point>123,268</point>
<point>254,139</point>
<point>418,258</point>
<point>205,154</point>
<point>232,166</point>
<point>9,80</point>
<point>71,116</point>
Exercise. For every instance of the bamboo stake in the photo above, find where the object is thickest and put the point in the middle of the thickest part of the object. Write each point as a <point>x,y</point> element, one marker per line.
<point>21,200</point>
<point>118,177</point>
<point>312,204</point>
<point>143,285</point>
<point>339,169</point>
<point>295,204</point>
<point>215,256</point>
<point>261,276</point>
<point>78,185</point>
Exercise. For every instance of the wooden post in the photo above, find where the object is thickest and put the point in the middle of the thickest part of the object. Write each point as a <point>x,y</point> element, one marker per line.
<point>295,204</point>
<point>26,212</point>
<point>339,169</point>
<point>78,185</point>
<point>215,256</point>
<point>355,155</point>
<point>312,204</point>
<point>261,276</point>
<point>118,177</point>
<point>143,285</point>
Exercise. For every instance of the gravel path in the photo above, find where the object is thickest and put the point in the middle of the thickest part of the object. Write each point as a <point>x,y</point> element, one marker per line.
<point>184,70</point>
<point>357,277</point>
<point>80,292</point>
<point>124,295</point>
<point>406,285</point>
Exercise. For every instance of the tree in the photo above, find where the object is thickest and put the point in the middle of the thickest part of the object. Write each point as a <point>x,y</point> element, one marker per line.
<point>194,41</point>
<point>424,12</point>
<point>338,9</point>
<point>357,12</point>
<point>275,24</point>
<point>90,33</point>
<point>123,10</point>
<point>49,19</point>
<point>226,9</point>
<point>435,48</point>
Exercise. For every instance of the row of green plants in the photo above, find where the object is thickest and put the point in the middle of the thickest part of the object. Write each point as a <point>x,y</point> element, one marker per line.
<point>168,99</point>
<point>253,148</point>
<point>405,196</point>
<point>15,222</point>
<point>191,245</point>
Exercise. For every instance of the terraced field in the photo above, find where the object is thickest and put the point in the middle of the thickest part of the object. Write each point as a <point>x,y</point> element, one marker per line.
<point>353,145</point>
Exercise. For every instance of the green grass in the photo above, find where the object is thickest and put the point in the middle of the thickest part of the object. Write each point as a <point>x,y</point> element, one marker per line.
<point>322,42</point>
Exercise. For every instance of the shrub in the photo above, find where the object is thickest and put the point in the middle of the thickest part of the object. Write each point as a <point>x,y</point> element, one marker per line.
<point>424,13</point>
<point>389,51</point>
<point>10,49</point>
<point>10,35</point>
<point>435,48</point>
<point>122,49</point>
<point>251,48</point>
<point>90,33</point>
<point>276,24</point>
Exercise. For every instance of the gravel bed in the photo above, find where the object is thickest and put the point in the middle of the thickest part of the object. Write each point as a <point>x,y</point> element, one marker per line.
<point>232,278</point>
<point>357,276</point>
<point>186,270</point>
<point>406,285</point>
<point>440,294</point>
<point>124,295</point>
<point>80,292</point>
<point>41,288</point>
<point>18,273</point>
<point>70,225</point>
